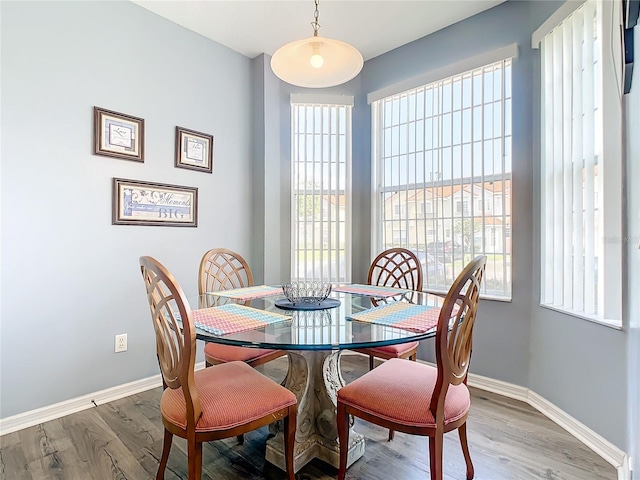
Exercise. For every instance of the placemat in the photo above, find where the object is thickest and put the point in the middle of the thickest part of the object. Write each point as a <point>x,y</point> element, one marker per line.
<point>249,293</point>
<point>370,290</point>
<point>415,318</point>
<point>232,318</point>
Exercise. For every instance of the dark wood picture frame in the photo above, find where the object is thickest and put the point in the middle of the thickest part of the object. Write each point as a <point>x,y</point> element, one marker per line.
<point>194,150</point>
<point>118,135</point>
<point>136,202</point>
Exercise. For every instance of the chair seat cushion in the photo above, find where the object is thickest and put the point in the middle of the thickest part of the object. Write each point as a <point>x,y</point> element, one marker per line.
<point>231,394</point>
<point>392,350</point>
<point>401,392</point>
<point>219,353</point>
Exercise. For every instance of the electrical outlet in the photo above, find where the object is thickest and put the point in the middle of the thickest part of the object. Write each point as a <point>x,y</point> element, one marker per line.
<point>121,343</point>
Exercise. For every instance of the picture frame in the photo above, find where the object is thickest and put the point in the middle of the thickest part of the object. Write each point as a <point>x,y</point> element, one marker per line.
<point>194,150</point>
<point>137,202</point>
<point>118,135</point>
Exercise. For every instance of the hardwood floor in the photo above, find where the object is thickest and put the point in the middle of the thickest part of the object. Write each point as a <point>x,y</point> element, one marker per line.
<point>122,440</point>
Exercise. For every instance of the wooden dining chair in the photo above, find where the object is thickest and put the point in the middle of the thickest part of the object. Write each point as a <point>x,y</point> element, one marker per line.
<point>223,269</point>
<point>416,398</point>
<point>212,403</point>
<point>397,268</point>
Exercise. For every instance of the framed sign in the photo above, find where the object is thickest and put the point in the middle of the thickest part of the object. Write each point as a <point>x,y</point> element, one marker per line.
<point>194,150</point>
<point>118,135</point>
<point>145,203</point>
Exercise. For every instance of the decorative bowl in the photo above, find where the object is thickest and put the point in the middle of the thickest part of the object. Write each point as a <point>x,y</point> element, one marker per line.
<point>306,292</point>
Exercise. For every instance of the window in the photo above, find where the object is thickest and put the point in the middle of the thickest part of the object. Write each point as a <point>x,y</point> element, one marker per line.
<point>425,208</point>
<point>445,148</point>
<point>580,173</point>
<point>462,207</point>
<point>321,156</point>
<point>398,210</point>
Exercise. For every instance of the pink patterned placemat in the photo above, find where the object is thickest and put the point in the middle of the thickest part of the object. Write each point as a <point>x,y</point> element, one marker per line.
<point>416,318</point>
<point>370,290</point>
<point>232,318</point>
<point>249,293</point>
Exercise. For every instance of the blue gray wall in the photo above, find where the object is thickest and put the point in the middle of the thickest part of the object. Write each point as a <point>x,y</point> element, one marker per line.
<point>577,365</point>
<point>70,279</point>
<point>501,338</point>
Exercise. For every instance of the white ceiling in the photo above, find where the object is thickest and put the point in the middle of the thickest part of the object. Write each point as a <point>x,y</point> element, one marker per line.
<point>253,27</point>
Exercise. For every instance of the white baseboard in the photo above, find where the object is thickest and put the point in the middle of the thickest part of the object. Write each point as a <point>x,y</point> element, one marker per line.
<point>601,446</point>
<point>588,437</point>
<point>58,410</point>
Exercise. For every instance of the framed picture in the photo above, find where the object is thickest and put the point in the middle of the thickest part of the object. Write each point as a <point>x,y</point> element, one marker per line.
<point>118,135</point>
<point>145,203</point>
<point>194,150</point>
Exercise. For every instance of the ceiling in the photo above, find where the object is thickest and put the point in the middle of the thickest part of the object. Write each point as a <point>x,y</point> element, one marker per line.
<point>253,27</point>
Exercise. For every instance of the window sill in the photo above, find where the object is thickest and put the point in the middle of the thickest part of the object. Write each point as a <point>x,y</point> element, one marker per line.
<point>615,324</point>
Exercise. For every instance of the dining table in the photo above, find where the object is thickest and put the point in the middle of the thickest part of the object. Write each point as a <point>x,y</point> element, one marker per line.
<point>314,336</point>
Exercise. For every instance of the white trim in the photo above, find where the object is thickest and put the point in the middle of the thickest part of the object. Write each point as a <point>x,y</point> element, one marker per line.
<point>608,451</point>
<point>322,99</point>
<point>584,434</point>
<point>600,445</point>
<point>615,324</point>
<point>505,389</point>
<point>84,402</point>
<point>510,51</point>
<point>553,21</point>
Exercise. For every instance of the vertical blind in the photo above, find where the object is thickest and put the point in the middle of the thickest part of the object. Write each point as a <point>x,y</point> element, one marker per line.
<point>443,175</point>
<point>321,203</point>
<point>572,126</point>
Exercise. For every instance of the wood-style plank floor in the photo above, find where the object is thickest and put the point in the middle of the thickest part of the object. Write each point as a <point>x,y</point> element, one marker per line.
<point>122,440</point>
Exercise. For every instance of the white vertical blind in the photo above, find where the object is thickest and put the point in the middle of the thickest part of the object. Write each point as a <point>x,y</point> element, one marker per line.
<point>443,175</point>
<point>572,197</point>
<point>321,201</point>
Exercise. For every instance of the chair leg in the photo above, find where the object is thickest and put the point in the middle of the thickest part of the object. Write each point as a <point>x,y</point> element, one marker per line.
<point>166,447</point>
<point>240,439</point>
<point>432,455</point>
<point>343,437</point>
<point>392,434</point>
<point>194,459</point>
<point>371,362</point>
<point>435,456</point>
<point>290,437</point>
<point>462,431</point>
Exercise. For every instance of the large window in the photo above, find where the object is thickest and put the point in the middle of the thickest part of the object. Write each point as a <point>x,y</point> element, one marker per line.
<point>321,203</point>
<point>580,173</point>
<point>443,175</point>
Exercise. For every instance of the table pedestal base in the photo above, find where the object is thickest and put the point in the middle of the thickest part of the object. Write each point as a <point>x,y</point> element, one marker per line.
<point>314,377</point>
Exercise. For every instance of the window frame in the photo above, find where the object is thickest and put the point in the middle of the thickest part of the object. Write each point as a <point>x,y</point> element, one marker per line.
<point>458,69</point>
<point>344,215</point>
<point>609,164</point>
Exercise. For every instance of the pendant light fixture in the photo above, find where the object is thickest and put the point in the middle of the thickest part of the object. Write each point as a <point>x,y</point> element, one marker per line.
<point>316,62</point>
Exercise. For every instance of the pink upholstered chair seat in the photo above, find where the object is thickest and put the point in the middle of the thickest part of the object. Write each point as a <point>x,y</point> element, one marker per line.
<point>401,392</point>
<point>240,394</point>
<point>227,353</point>
<point>393,350</point>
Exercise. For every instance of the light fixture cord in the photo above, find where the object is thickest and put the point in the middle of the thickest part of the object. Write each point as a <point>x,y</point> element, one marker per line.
<point>316,17</point>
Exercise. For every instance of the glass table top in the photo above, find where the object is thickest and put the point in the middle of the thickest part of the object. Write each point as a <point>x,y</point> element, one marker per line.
<point>327,329</point>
